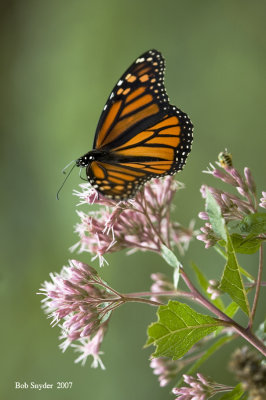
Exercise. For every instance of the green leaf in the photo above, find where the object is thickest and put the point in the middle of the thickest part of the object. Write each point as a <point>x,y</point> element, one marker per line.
<point>245,245</point>
<point>204,284</point>
<point>176,277</point>
<point>214,212</point>
<point>247,274</point>
<point>242,270</point>
<point>107,314</point>
<point>254,224</point>
<point>169,257</point>
<point>235,394</point>
<point>178,328</point>
<point>231,309</point>
<point>231,282</point>
<point>261,332</point>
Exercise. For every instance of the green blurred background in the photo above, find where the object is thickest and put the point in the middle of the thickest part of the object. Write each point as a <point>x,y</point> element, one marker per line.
<point>59,62</point>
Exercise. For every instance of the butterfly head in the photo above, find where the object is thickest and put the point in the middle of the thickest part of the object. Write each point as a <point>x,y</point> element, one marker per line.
<point>85,160</point>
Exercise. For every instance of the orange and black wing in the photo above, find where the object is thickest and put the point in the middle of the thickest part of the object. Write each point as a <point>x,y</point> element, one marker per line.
<point>142,135</point>
<point>136,102</point>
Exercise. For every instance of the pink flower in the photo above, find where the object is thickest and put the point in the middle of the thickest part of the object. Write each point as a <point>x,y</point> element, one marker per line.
<point>263,200</point>
<point>166,369</point>
<point>91,347</point>
<point>199,388</point>
<point>139,224</point>
<point>207,236</point>
<point>82,303</point>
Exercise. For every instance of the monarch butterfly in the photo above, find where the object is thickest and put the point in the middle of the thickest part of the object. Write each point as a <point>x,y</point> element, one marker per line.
<point>139,135</point>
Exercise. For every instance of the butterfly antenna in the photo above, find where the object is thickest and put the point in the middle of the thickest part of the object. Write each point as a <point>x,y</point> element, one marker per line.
<point>57,194</point>
<point>66,167</point>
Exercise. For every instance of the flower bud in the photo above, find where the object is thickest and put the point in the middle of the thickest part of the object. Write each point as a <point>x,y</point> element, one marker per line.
<point>250,181</point>
<point>263,200</point>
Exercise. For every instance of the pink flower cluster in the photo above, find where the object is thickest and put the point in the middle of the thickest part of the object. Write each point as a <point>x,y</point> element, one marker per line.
<point>79,300</point>
<point>139,224</point>
<point>166,369</point>
<point>199,388</point>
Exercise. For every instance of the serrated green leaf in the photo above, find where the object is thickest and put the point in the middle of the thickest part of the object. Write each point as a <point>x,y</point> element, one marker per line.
<point>178,328</point>
<point>215,216</point>
<point>235,394</point>
<point>231,282</point>
<point>242,270</point>
<point>204,284</point>
<point>254,224</point>
<point>169,257</point>
<point>245,245</point>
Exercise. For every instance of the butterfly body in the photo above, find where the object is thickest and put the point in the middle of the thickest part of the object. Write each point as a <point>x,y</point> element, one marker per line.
<point>139,135</point>
<point>93,155</point>
<point>110,157</point>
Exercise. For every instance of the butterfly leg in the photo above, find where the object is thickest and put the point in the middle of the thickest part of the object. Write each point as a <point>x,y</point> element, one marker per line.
<point>82,176</point>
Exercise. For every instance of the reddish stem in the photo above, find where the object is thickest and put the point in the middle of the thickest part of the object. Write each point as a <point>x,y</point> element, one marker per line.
<point>245,333</point>
<point>258,285</point>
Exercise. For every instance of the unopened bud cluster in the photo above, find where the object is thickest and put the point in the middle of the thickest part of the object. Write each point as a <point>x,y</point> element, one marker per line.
<point>249,369</point>
<point>234,207</point>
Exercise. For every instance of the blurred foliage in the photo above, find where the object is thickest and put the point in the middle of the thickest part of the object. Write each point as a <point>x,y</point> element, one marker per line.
<point>59,62</point>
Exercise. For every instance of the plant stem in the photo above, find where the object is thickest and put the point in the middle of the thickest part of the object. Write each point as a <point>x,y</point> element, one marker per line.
<point>197,296</point>
<point>127,298</point>
<point>258,284</point>
<point>99,281</point>
<point>252,339</point>
<point>245,333</point>
<point>202,300</point>
<point>175,293</point>
<point>252,285</point>
<point>144,209</point>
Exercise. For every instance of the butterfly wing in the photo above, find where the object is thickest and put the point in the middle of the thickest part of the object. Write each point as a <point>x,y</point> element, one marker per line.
<point>135,102</point>
<point>140,133</point>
